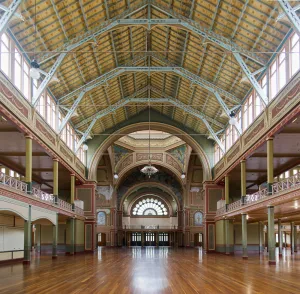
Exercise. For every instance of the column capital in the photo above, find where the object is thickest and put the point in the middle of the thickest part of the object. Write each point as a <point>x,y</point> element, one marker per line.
<point>28,136</point>
<point>243,160</point>
<point>55,159</point>
<point>72,174</point>
<point>270,138</point>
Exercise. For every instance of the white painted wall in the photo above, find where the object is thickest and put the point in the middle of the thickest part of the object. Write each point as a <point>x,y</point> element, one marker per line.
<point>11,238</point>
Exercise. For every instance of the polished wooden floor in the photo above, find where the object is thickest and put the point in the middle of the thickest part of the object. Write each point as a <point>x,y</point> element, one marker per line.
<point>152,270</point>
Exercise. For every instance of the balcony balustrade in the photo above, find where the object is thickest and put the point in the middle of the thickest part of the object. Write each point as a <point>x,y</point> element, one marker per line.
<point>281,186</point>
<point>12,182</point>
<point>20,186</point>
<point>149,227</point>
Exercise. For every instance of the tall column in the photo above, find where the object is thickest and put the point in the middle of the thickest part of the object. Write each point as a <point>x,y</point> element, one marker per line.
<point>143,239</point>
<point>227,245</point>
<point>55,179</point>
<point>279,237</point>
<point>55,236</point>
<point>295,239</point>
<point>157,239</point>
<point>28,166</point>
<point>292,238</point>
<point>27,238</point>
<point>72,247</point>
<point>271,235</point>
<point>243,181</point>
<point>270,148</point>
<point>72,189</point>
<point>244,236</point>
<point>226,191</point>
<point>261,237</point>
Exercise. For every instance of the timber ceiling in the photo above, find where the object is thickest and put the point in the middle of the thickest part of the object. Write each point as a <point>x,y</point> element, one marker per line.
<point>250,24</point>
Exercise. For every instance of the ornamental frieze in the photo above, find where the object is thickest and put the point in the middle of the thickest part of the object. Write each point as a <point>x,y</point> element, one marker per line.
<point>44,131</point>
<point>254,132</point>
<point>219,167</point>
<point>126,162</point>
<point>145,156</point>
<point>286,99</point>
<point>65,153</point>
<point>13,100</point>
<point>234,152</point>
<point>171,161</point>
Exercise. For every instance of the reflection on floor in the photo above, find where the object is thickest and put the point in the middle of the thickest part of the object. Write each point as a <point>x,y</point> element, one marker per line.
<point>152,270</point>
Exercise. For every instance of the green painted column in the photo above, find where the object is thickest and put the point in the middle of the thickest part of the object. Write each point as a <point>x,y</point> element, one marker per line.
<point>244,236</point>
<point>157,239</point>
<point>295,239</point>
<point>279,237</point>
<point>270,171</point>
<point>55,179</point>
<point>143,239</point>
<point>72,245</point>
<point>72,189</point>
<point>55,237</point>
<point>28,163</point>
<point>243,181</point>
<point>292,237</point>
<point>27,238</point>
<point>226,191</point>
<point>261,238</point>
<point>271,236</point>
<point>227,245</point>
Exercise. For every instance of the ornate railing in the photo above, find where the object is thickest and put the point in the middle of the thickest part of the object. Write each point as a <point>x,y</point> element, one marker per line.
<point>287,183</point>
<point>64,205</point>
<point>256,196</point>
<point>221,210</point>
<point>149,227</point>
<point>79,211</point>
<point>234,205</point>
<point>42,195</point>
<point>12,182</point>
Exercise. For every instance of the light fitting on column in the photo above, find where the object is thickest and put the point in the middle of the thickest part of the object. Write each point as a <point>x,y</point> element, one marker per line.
<point>85,147</point>
<point>116,176</point>
<point>35,70</point>
<point>183,175</point>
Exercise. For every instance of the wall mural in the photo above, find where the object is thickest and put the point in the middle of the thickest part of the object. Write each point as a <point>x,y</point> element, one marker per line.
<point>198,218</point>
<point>101,218</point>
<point>161,177</point>
<point>120,152</point>
<point>178,153</point>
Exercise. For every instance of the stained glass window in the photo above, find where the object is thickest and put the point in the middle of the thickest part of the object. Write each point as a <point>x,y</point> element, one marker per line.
<point>101,218</point>
<point>150,206</point>
<point>198,218</point>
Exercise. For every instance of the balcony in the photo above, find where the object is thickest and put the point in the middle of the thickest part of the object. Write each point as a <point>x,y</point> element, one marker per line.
<point>279,188</point>
<point>149,227</point>
<point>21,187</point>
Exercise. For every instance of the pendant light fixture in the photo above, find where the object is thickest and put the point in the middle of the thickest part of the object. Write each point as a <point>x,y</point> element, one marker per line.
<point>149,170</point>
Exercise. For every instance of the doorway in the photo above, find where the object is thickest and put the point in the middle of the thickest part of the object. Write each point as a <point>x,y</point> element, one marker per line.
<point>163,239</point>
<point>150,239</point>
<point>101,241</point>
<point>136,239</point>
<point>198,240</point>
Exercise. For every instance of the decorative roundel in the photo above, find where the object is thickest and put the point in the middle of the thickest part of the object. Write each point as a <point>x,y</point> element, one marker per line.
<point>149,206</point>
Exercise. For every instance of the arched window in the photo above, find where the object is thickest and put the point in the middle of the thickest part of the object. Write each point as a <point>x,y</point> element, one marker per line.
<point>101,218</point>
<point>198,218</point>
<point>150,206</point>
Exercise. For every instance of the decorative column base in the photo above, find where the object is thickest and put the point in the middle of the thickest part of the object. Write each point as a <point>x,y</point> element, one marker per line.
<point>272,262</point>
<point>269,188</point>
<point>29,187</point>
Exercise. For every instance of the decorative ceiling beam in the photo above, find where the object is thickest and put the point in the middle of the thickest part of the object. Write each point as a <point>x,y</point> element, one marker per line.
<point>208,34</point>
<point>291,14</point>
<point>121,103</point>
<point>91,35</point>
<point>251,78</point>
<point>47,79</point>
<point>177,70</point>
<point>188,24</point>
<point>9,12</point>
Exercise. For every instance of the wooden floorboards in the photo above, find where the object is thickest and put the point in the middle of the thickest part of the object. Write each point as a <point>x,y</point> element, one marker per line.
<point>152,270</point>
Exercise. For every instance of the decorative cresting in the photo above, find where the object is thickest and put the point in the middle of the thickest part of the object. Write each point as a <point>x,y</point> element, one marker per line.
<point>154,126</point>
<point>150,206</point>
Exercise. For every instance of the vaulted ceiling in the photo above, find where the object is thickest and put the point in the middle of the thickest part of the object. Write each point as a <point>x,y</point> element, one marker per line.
<point>96,45</point>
